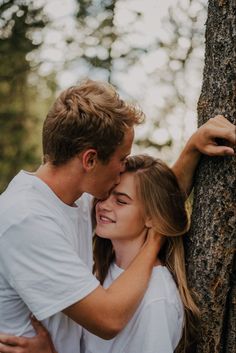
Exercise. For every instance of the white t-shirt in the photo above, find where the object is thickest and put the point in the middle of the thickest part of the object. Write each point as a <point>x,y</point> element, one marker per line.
<point>156,326</point>
<point>45,260</point>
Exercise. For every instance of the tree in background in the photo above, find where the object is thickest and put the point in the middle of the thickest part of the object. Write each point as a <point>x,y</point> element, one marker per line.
<point>174,76</point>
<point>120,52</point>
<point>18,149</point>
<point>102,41</point>
<point>95,21</point>
<point>107,41</point>
<point>212,239</point>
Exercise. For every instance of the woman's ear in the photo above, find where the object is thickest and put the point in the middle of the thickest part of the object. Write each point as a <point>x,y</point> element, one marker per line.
<point>89,159</point>
<point>148,222</point>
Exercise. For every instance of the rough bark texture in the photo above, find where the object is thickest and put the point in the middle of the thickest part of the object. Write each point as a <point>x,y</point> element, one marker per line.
<point>212,239</point>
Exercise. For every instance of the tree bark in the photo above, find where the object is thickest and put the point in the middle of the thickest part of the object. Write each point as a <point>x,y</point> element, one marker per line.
<point>210,247</point>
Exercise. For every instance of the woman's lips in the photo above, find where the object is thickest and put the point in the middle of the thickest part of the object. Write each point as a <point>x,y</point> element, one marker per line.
<point>104,219</point>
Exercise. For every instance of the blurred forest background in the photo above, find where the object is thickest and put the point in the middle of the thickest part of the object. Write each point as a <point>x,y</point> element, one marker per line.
<point>46,46</point>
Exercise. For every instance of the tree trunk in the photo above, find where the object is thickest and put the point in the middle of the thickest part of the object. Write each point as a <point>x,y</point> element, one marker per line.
<point>210,247</point>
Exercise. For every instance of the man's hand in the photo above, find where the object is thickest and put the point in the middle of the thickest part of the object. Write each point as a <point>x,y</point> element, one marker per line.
<point>155,239</point>
<point>205,138</point>
<point>41,343</point>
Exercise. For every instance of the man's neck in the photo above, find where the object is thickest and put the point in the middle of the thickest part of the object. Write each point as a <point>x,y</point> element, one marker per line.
<point>62,181</point>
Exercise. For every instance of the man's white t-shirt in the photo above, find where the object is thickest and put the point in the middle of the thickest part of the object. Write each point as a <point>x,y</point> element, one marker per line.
<point>45,260</point>
<point>157,324</point>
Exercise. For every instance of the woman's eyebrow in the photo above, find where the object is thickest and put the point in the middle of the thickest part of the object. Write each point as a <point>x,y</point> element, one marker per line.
<point>117,193</point>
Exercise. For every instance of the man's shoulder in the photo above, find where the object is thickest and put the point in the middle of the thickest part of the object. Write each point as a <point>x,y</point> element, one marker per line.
<point>21,202</point>
<point>85,201</point>
<point>15,210</point>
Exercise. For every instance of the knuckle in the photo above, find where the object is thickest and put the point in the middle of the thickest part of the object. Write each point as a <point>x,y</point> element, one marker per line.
<point>207,130</point>
<point>45,334</point>
<point>218,117</point>
<point>19,350</point>
<point>212,122</point>
<point>22,341</point>
<point>208,153</point>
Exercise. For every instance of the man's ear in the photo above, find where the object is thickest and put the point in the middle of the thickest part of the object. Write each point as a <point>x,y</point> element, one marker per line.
<point>148,222</point>
<point>89,159</point>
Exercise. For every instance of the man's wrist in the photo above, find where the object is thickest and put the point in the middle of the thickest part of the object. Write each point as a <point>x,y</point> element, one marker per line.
<point>152,246</point>
<point>192,146</point>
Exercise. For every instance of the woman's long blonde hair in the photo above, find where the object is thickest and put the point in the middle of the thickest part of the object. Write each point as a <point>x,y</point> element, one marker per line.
<point>164,203</point>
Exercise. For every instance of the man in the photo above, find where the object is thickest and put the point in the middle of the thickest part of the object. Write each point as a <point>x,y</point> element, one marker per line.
<point>45,227</point>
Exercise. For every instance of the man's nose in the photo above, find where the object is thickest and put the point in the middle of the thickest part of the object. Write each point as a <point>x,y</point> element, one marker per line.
<point>122,168</point>
<point>117,181</point>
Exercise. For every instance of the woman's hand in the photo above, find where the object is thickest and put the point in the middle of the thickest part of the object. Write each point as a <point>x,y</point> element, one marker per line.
<point>41,343</point>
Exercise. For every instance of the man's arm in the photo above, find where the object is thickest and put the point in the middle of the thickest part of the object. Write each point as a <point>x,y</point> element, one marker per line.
<point>204,141</point>
<point>105,312</point>
<point>40,343</point>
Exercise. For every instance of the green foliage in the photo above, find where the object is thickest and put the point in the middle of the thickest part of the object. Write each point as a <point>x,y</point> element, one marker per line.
<point>18,148</point>
<point>95,22</point>
<point>101,41</point>
<point>101,48</point>
<point>178,50</point>
<point>107,47</point>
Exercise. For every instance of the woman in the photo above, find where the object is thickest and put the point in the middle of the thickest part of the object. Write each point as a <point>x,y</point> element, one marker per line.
<point>148,196</point>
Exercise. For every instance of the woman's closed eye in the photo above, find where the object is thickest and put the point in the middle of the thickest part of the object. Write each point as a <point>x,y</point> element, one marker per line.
<point>121,202</point>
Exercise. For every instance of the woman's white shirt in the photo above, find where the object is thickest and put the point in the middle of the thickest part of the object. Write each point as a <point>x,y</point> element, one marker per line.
<point>157,324</point>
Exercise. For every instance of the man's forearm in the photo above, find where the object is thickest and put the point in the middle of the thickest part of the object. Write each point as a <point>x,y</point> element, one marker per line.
<point>113,307</point>
<point>204,141</point>
<point>184,168</point>
<point>129,288</point>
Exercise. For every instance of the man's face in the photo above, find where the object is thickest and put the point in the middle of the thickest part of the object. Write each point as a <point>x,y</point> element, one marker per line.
<point>106,176</point>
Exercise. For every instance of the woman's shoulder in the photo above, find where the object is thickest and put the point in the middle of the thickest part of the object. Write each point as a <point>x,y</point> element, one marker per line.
<point>162,287</point>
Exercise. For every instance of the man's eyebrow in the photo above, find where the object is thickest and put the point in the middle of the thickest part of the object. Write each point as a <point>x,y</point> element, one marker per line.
<point>117,193</point>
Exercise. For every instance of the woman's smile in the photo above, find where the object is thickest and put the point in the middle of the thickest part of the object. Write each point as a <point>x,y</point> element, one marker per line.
<point>102,219</point>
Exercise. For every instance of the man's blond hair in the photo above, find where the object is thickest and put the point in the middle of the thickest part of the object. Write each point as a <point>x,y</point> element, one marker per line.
<point>91,115</point>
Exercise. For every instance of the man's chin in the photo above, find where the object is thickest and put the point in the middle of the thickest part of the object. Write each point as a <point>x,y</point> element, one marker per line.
<point>103,196</point>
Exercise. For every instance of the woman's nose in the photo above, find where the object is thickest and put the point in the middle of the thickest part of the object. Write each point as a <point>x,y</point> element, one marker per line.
<point>105,204</point>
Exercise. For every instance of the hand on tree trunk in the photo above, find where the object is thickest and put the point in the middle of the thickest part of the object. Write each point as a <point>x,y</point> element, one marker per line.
<point>217,137</point>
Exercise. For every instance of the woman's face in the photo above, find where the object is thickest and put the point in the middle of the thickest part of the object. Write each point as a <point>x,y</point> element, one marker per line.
<point>120,216</point>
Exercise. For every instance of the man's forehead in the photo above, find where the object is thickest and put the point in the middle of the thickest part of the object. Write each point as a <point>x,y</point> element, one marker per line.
<point>127,141</point>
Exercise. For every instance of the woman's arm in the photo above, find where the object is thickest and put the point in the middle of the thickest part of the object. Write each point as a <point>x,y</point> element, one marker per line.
<point>204,141</point>
<point>41,343</point>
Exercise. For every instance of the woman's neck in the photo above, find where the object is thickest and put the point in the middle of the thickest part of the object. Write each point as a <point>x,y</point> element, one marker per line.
<point>126,251</point>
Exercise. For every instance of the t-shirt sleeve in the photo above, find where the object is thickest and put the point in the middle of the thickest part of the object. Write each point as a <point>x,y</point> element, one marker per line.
<point>155,329</point>
<point>41,265</point>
